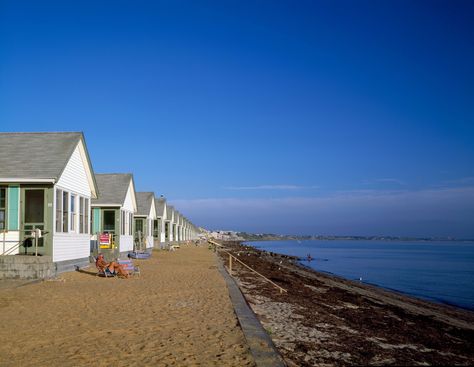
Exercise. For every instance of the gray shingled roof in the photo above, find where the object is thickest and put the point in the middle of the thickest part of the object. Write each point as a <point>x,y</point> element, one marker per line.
<point>144,201</point>
<point>169,212</point>
<point>36,155</point>
<point>112,188</point>
<point>160,206</point>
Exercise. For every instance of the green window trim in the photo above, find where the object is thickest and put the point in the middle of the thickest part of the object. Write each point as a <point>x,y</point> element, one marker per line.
<point>13,203</point>
<point>96,220</point>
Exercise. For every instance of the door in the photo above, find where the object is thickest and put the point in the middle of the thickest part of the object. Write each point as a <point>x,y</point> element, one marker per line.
<point>108,221</point>
<point>140,234</point>
<point>33,217</point>
<point>109,227</point>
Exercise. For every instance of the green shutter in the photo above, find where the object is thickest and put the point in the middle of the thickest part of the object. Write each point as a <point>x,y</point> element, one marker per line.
<point>13,198</point>
<point>96,220</point>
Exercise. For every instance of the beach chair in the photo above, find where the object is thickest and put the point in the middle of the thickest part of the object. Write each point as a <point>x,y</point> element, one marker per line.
<point>103,273</point>
<point>128,265</point>
<point>106,273</point>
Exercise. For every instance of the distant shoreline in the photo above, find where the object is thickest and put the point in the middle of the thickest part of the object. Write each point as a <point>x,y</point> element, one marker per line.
<point>354,238</point>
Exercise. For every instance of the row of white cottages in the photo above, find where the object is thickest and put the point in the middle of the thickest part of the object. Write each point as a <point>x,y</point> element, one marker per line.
<point>47,183</point>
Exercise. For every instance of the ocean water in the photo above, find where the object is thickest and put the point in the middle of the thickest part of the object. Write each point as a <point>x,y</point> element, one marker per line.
<point>442,272</point>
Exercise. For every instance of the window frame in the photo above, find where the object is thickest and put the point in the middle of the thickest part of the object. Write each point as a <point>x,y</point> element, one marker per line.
<point>87,210</point>
<point>72,212</point>
<point>81,214</point>
<point>4,208</point>
<point>65,208</point>
<point>122,222</point>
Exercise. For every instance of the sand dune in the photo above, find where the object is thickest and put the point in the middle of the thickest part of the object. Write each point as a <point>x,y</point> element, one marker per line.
<point>177,313</point>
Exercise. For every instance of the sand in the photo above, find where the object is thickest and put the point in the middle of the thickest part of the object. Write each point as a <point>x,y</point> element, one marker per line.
<point>177,313</point>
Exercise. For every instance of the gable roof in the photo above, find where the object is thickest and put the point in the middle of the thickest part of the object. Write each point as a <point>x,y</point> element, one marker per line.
<point>144,202</point>
<point>39,156</point>
<point>113,188</point>
<point>160,205</point>
<point>169,212</point>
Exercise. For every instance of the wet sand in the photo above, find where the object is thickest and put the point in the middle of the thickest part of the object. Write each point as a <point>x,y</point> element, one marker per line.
<point>326,320</point>
<point>177,313</point>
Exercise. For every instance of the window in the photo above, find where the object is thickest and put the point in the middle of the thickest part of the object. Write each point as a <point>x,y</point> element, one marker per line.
<point>155,228</point>
<point>59,205</point>
<point>81,214</point>
<point>139,226</point>
<point>122,222</point>
<point>130,223</point>
<point>65,211</point>
<point>86,215</point>
<point>73,213</point>
<point>3,207</point>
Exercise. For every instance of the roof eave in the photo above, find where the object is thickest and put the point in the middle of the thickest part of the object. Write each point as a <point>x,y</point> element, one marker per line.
<point>28,180</point>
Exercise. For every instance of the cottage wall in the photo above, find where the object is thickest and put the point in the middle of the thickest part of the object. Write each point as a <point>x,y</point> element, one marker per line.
<point>9,241</point>
<point>150,219</point>
<point>72,245</point>
<point>126,241</point>
<point>74,177</point>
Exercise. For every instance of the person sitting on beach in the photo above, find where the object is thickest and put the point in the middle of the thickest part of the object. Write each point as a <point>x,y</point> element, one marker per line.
<point>112,267</point>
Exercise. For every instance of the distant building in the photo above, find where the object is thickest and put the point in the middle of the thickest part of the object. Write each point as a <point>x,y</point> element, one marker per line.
<point>144,220</point>
<point>113,213</point>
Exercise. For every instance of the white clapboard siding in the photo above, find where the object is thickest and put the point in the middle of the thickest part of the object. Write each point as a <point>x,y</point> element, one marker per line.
<point>126,243</point>
<point>150,219</point>
<point>170,231</point>
<point>128,203</point>
<point>70,246</point>
<point>152,214</point>
<point>74,177</point>
<point>11,240</point>
<point>149,241</point>
<point>162,233</point>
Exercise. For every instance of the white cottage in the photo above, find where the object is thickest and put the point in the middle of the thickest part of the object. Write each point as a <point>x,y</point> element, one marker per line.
<point>159,227</point>
<point>112,213</point>
<point>46,186</point>
<point>180,227</point>
<point>176,226</point>
<point>169,224</point>
<point>144,220</point>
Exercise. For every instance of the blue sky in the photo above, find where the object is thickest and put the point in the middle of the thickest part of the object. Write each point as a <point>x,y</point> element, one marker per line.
<point>325,117</point>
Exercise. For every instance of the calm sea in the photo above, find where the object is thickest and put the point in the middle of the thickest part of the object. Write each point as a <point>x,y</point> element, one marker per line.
<point>438,271</point>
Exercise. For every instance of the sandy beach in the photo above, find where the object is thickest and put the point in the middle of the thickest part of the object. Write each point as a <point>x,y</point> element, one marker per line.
<point>326,320</point>
<point>177,313</point>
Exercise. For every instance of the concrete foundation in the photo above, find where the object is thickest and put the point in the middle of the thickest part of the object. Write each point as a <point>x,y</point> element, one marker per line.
<point>36,267</point>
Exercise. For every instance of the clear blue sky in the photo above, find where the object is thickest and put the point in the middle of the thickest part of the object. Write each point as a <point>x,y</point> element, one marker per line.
<point>325,117</point>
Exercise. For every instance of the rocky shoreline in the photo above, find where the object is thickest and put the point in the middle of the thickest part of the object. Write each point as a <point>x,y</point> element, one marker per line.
<point>327,320</point>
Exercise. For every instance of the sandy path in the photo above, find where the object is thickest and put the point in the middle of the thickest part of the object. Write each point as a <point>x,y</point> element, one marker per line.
<point>177,313</point>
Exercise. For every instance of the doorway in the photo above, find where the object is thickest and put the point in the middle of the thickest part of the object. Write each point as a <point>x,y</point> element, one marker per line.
<point>33,217</point>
